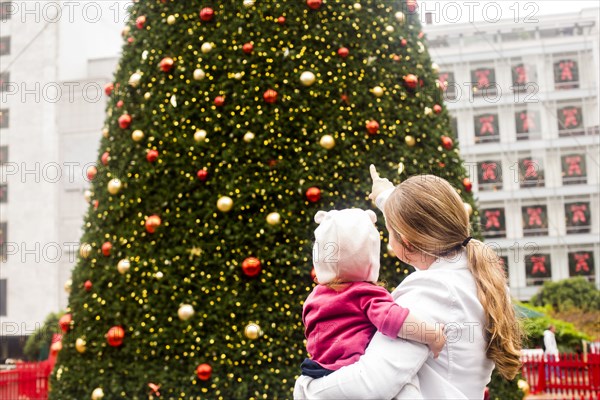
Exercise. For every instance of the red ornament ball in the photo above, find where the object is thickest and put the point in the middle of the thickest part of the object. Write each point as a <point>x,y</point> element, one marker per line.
<point>87,285</point>
<point>105,158</point>
<point>437,109</point>
<point>411,5</point>
<point>251,267</point>
<point>166,64</point>
<point>152,223</point>
<point>372,127</point>
<point>281,20</point>
<point>344,97</point>
<point>140,21</point>
<point>403,42</point>
<point>108,88</point>
<point>343,52</point>
<point>206,14</point>
<point>106,248</point>
<point>248,48</point>
<point>447,142</point>
<point>115,336</point>
<point>120,103</point>
<point>411,81</point>
<point>152,155</point>
<point>314,4</point>
<point>65,322</point>
<point>130,40</point>
<point>313,194</point>
<point>91,172</point>
<point>202,175</point>
<point>219,101</point>
<point>467,184</point>
<point>124,121</point>
<point>204,372</point>
<point>270,96</point>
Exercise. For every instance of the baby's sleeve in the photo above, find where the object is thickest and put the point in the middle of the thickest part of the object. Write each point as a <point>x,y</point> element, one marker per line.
<point>382,311</point>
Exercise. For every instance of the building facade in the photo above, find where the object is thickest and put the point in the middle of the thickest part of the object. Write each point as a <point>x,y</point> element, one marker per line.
<point>524,104</point>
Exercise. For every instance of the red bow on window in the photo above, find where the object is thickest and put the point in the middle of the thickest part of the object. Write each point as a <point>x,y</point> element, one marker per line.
<point>486,125</point>
<point>489,171</point>
<point>535,216</point>
<point>482,78</point>
<point>566,73</point>
<point>521,71</point>
<point>492,219</point>
<point>531,170</point>
<point>538,264</point>
<point>527,122</point>
<point>582,264</point>
<point>574,167</point>
<point>578,211</point>
<point>570,115</point>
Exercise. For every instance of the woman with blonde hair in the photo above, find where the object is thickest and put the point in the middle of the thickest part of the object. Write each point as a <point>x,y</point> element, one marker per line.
<point>459,282</point>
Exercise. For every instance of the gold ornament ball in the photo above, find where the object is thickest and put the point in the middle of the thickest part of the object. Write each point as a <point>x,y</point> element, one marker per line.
<point>400,16</point>
<point>400,168</point>
<point>252,331</point>
<point>105,132</point>
<point>85,249</point>
<point>135,79</point>
<point>327,142</point>
<point>427,111</point>
<point>249,3</point>
<point>377,91</point>
<point>147,95</point>
<point>185,312</point>
<point>200,135</point>
<point>225,204</point>
<point>389,29</point>
<point>206,47</point>
<point>410,141</point>
<point>524,386</point>
<point>87,195</point>
<point>68,285</point>
<point>97,394</point>
<point>114,186</point>
<point>123,266</point>
<point>171,19</point>
<point>137,135</point>
<point>435,67</point>
<point>159,275</point>
<point>248,137</point>
<point>80,345</point>
<point>357,6</point>
<point>307,78</point>
<point>468,209</point>
<point>273,218</point>
<point>199,74</point>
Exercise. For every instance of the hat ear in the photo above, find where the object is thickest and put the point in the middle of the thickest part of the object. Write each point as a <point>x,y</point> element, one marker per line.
<point>320,216</point>
<point>372,215</point>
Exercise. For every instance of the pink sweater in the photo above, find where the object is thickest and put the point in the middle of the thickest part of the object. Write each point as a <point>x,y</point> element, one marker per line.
<point>340,325</point>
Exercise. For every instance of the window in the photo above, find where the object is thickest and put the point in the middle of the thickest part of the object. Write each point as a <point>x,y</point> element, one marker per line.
<point>4,78</point>
<point>448,82</point>
<point>3,193</point>
<point>454,126</point>
<point>3,242</point>
<point>5,10</point>
<point>3,155</point>
<point>570,121</point>
<point>566,74</point>
<point>4,114</point>
<point>537,269</point>
<point>484,81</point>
<point>535,220</point>
<point>573,169</point>
<point>527,122</point>
<point>486,128</point>
<point>490,175</point>
<point>493,223</point>
<point>581,263</point>
<point>4,45</point>
<point>523,77</point>
<point>531,172</point>
<point>577,216</point>
<point>505,266</point>
<point>3,296</point>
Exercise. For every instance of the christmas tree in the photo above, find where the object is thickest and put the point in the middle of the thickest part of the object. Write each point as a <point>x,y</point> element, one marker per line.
<point>229,124</point>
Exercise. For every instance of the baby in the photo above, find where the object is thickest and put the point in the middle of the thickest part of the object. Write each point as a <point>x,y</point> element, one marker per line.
<point>347,307</point>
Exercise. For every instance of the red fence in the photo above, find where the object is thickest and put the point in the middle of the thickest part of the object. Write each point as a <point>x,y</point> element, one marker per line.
<point>28,381</point>
<point>569,375</point>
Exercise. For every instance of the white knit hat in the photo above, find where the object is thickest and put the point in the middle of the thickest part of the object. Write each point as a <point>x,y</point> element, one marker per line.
<point>347,246</point>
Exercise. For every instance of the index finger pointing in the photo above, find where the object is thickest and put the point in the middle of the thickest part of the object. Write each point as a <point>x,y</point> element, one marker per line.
<point>374,173</point>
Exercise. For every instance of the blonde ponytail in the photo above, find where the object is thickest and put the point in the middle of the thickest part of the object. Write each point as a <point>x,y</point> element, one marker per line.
<point>427,212</point>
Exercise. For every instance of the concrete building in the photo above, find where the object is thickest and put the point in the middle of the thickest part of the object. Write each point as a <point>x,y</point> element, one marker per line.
<point>53,109</point>
<point>524,101</point>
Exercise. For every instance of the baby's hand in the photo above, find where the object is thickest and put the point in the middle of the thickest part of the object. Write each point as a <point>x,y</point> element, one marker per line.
<point>379,184</point>
<point>437,343</point>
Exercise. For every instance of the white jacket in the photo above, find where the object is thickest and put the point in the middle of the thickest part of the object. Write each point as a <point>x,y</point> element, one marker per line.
<point>445,293</point>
